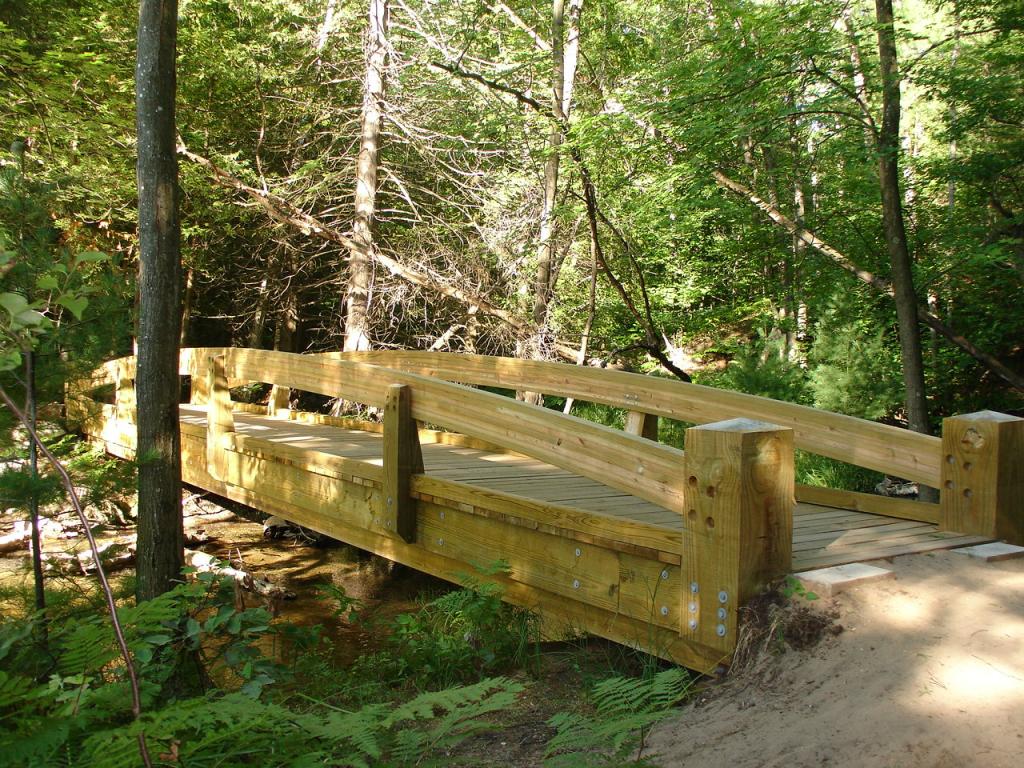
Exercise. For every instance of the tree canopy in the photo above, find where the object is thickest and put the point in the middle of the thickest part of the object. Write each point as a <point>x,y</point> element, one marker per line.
<point>716,208</point>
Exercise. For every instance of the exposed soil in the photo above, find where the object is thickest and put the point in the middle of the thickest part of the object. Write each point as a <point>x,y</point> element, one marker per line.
<point>927,672</point>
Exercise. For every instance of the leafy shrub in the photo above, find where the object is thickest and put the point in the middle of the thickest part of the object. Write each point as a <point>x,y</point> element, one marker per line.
<point>461,635</point>
<point>762,368</point>
<point>70,706</point>
<point>855,368</point>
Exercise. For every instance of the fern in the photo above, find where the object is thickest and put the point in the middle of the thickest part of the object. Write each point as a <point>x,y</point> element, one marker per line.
<point>625,710</point>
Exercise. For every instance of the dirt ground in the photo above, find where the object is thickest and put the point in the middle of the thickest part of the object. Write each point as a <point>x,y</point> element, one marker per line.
<point>928,672</point>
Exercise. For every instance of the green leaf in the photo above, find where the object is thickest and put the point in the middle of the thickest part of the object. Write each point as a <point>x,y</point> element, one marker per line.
<point>75,304</point>
<point>90,256</point>
<point>29,318</point>
<point>10,359</point>
<point>47,283</point>
<point>14,303</point>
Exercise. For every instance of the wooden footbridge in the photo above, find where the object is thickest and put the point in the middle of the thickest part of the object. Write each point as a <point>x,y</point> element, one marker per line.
<point>604,531</point>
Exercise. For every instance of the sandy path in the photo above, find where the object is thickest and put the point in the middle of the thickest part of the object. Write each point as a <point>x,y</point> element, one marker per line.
<point>928,672</point>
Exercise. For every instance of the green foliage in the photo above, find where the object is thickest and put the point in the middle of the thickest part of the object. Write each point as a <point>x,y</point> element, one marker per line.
<point>821,471</point>
<point>762,367</point>
<point>624,711</point>
<point>792,586</point>
<point>459,636</point>
<point>854,368</point>
<point>71,706</point>
<point>41,280</point>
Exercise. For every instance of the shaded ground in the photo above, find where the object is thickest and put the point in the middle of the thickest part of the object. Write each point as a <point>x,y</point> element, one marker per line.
<point>929,671</point>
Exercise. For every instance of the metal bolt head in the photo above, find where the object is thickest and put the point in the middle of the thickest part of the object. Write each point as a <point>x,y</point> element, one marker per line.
<point>440,542</point>
<point>664,575</point>
<point>722,613</point>
<point>441,514</point>
<point>387,524</point>
<point>579,552</point>
<point>390,501</point>
<point>664,610</point>
<point>693,607</point>
<point>723,597</point>
<point>694,587</point>
<point>693,624</point>
<point>720,630</point>
<point>575,583</point>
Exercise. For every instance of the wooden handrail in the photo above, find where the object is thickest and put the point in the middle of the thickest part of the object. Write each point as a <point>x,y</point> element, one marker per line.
<point>623,461</point>
<point>856,441</point>
<point>880,447</point>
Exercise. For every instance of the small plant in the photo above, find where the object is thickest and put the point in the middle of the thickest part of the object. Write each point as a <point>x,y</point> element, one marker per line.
<point>463,634</point>
<point>793,587</point>
<point>625,709</point>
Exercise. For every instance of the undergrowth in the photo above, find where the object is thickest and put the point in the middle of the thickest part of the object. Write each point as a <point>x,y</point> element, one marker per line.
<point>228,686</point>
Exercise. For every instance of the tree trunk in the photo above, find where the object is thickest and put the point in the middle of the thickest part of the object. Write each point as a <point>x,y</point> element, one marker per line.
<point>161,547</point>
<point>564,58</point>
<point>894,225</point>
<point>360,262</point>
<point>33,500</point>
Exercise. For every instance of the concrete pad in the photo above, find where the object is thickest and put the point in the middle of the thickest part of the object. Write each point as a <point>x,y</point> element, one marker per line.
<point>990,553</point>
<point>831,581</point>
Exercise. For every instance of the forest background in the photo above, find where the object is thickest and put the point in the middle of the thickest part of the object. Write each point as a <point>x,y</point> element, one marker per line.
<point>683,188</point>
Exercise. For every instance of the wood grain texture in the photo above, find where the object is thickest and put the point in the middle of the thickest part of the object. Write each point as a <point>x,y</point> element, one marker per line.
<point>739,523</point>
<point>867,444</point>
<point>869,502</point>
<point>982,489</point>
<point>220,421</point>
<point>402,460</point>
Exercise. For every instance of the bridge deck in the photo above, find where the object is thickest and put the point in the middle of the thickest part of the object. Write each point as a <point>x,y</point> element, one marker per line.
<point>822,536</point>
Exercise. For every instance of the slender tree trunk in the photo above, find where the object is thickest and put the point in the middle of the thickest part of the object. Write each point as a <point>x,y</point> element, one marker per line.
<point>894,225</point>
<point>588,326</point>
<point>160,537</point>
<point>360,262</point>
<point>186,308</point>
<point>565,40</point>
<point>33,500</point>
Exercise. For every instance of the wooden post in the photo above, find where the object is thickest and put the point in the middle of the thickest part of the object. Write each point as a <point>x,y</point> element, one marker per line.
<point>402,459</point>
<point>277,404</point>
<point>982,489</point>
<point>738,523</point>
<point>199,392</point>
<point>219,419</point>
<point>124,393</point>
<point>642,425</point>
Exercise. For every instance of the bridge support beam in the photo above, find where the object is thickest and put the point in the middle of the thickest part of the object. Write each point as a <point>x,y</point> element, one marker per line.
<point>738,524</point>
<point>642,424</point>
<point>983,475</point>
<point>220,421</point>
<point>403,458</point>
